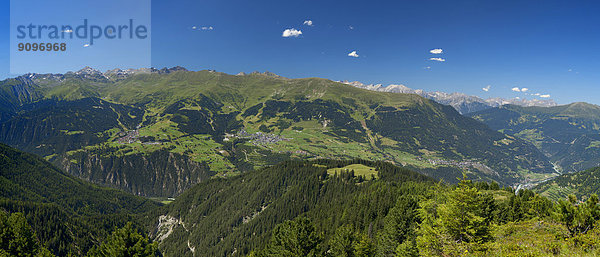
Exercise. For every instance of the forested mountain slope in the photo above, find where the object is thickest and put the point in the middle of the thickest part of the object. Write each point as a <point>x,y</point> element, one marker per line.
<point>363,208</point>
<point>69,215</point>
<point>237,214</point>
<point>581,184</point>
<point>569,134</point>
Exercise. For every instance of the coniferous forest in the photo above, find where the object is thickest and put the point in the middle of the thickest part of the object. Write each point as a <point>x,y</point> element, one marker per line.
<point>295,208</point>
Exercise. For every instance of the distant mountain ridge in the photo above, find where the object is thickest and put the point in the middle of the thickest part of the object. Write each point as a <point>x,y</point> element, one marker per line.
<point>93,74</point>
<point>568,134</point>
<point>186,126</point>
<point>463,103</point>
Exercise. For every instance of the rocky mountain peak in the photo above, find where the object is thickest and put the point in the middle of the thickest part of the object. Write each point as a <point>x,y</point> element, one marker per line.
<point>463,103</point>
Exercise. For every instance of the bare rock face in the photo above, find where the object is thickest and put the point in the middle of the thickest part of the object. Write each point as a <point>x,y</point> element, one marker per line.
<point>163,174</point>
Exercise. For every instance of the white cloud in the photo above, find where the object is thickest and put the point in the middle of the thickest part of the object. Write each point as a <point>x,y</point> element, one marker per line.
<point>86,45</point>
<point>487,88</point>
<point>524,89</point>
<point>291,33</point>
<point>536,94</point>
<point>67,31</point>
<point>436,51</point>
<point>437,59</point>
<point>308,23</point>
<point>544,96</point>
<point>516,89</point>
<point>353,54</point>
<point>203,28</point>
<point>350,27</point>
<point>428,68</point>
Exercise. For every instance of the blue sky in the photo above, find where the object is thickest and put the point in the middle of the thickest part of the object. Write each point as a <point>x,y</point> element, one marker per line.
<point>549,47</point>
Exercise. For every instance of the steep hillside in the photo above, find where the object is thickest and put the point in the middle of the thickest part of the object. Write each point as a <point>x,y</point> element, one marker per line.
<point>363,208</point>
<point>224,217</point>
<point>68,214</point>
<point>138,130</point>
<point>581,184</point>
<point>569,134</point>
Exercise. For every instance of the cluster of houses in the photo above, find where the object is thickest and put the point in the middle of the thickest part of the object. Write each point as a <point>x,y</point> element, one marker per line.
<point>128,137</point>
<point>260,138</point>
<point>462,164</point>
<point>132,136</point>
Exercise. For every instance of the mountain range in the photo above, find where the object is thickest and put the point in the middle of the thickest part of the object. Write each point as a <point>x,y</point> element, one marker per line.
<point>568,134</point>
<point>461,102</point>
<point>184,127</point>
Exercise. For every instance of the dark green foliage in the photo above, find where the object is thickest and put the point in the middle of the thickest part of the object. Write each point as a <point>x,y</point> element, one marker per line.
<point>43,127</point>
<point>400,228</point>
<point>523,206</point>
<point>29,178</point>
<point>252,111</point>
<point>297,238</point>
<point>339,117</point>
<point>264,128</point>
<point>207,119</point>
<point>66,213</point>
<point>125,242</point>
<point>343,241</point>
<point>581,184</point>
<point>460,215</point>
<point>467,214</point>
<point>578,217</point>
<point>272,108</point>
<point>241,212</point>
<point>17,238</point>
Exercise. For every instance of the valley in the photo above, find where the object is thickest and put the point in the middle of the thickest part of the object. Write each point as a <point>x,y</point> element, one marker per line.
<point>186,127</point>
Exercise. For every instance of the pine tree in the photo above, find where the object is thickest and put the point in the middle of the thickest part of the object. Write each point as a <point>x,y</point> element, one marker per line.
<point>126,242</point>
<point>400,224</point>
<point>17,238</point>
<point>294,238</point>
<point>341,244</point>
<point>465,215</point>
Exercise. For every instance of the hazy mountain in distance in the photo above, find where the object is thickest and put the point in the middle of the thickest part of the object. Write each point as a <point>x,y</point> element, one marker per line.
<point>568,134</point>
<point>461,102</point>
